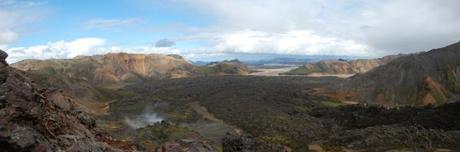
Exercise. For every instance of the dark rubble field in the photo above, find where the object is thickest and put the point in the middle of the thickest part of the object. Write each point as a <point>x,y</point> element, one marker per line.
<point>277,114</point>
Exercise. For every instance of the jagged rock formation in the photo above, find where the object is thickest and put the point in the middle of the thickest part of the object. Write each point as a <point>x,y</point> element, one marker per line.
<point>227,67</point>
<point>34,119</point>
<point>335,67</point>
<point>431,77</point>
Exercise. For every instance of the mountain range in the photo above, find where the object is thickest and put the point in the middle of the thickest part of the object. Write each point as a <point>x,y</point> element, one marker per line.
<point>154,102</point>
<point>431,77</point>
<point>83,76</point>
<point>341,66</point>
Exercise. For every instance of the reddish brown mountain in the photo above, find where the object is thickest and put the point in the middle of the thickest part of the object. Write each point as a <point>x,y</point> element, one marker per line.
<point>431,77</point>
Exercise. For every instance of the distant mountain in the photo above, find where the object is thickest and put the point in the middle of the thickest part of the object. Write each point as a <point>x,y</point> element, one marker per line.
<point>282,60</point>
<point>227,67</point>
<point>431,77</point>
<point>113,67</point>
<point>87,77</point>
<point>293,60</point>
<point>341,66</point>
<point>275,59</point>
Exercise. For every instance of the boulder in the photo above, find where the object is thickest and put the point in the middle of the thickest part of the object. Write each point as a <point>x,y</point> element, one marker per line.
<point>3,56</point>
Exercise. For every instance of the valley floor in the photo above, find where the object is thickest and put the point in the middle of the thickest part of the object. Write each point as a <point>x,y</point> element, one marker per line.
<point>275,114</point>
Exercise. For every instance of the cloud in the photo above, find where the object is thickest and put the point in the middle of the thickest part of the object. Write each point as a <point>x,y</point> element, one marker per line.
<point>165,43</point>
<point>111,23</point>
<point>81,46</point>
<point>298,27</point>
<point>296,42</point>
<point>14,15</point>
<point>384,26</point>
<point>8,36</point>
<point>412,25</point>
<point>59,49</point>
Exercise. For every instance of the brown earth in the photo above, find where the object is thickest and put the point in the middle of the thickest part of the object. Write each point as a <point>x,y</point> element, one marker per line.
<point>341,67</point>
<point>431,77</point>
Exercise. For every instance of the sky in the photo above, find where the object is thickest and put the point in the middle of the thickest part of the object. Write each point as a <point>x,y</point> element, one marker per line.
<point>220,29</point>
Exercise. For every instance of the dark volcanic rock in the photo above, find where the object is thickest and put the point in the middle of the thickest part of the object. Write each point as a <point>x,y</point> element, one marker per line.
<point>3,56</point>
<point>233,142</point>
<point>31,120</point>
<point>423,128</point>
<point>244,142</point>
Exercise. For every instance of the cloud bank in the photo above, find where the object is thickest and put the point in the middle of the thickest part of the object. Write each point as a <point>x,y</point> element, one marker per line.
<point>298,27</point>
<point>382,26</point>
<point>14,15</point>
<point>295,42</point>
<point>60,49</point>
<point>81,46</point>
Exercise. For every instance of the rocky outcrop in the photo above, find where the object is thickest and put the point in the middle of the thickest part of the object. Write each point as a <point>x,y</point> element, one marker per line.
<point>3,56</point>
<point>336,67</point>
<point>431,77</point>
<point>33,119</point>
<point>227,67</point>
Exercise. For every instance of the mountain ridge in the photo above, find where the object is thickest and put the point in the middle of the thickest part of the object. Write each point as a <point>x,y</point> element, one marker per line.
<point>431,77</point>
<point>341,66</point>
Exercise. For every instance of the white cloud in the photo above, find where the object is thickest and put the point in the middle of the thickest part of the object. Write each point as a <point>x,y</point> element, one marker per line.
<point>81,46</point>
<point>301,27</point>
<point>412,25</point>
<point>144,50</point>
<point>7,36</point>
<point>60,49</point>
<point>385,26</point>
<point>14,15</point>
<point>296,42</point>
<point>291,42</point>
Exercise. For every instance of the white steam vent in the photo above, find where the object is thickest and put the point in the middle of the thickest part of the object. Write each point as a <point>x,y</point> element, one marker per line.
<point>143,120</point>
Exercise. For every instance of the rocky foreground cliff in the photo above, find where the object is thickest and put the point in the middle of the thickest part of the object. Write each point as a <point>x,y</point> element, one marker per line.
<point>33,119</point>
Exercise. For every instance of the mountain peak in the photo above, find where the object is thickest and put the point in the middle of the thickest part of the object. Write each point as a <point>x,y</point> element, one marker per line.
<point>410,80</point>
